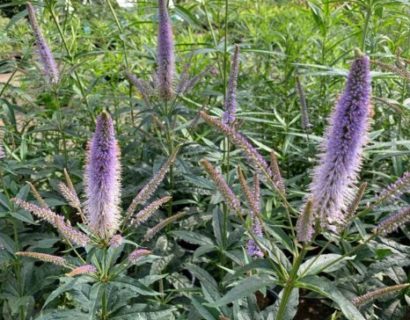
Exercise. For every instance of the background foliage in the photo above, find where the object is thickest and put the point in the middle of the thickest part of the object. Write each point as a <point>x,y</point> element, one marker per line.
<point>45,129</point>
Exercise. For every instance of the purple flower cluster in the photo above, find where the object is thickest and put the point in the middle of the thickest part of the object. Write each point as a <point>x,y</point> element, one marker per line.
<point>335,176</point>
<point>240,141</point>
<point>230,198</point>
<point>46,57</point>
<point>165,53</point>
<point>396,189</point>
<point>393,221</point>
<point>102,177</point>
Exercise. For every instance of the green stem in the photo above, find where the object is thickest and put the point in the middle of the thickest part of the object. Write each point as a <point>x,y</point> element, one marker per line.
<point>119,26</point>
<point>104,305</point>
<point>287,291</point>
<point>8,81</point>
<point>70,56</point>
<point>366,25</point>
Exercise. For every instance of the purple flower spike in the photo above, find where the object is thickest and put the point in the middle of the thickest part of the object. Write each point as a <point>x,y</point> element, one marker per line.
<point>252,248</point>
<point>102,177</point>
<point>229,115</point>
<point>165,53</point>
<point>46,57</point>
<point>346,135</point>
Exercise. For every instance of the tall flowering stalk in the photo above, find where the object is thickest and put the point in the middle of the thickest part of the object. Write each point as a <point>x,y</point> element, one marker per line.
<point>59,261</point>
<point>49,65</point>
<point>102,178</point>
<point>240,141</point>
<point>335,176</point>
<point>393,222</point>
<point>378,293</point>
<point>229,115</point>
<point>230,197</point>
<point>396,189</point>
<point>165,53</point>
<point>253,198</point>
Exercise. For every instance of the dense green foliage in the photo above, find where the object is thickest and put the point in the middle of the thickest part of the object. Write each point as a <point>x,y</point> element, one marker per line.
<point>199,268</point>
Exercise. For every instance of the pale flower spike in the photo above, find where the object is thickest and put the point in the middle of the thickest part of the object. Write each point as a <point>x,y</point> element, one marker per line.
<point>84,269</point>
<point>43,257</point>
<point>231,200</point>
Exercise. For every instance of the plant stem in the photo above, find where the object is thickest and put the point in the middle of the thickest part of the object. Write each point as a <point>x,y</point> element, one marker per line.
<point>366,25</point>
<point>287,290</point>
<point>8,81</point>
<point>104,305</point>
<point>70,56</point>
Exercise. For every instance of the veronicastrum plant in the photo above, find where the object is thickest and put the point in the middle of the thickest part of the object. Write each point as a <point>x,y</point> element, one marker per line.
<point>318,252</point>
<point>100,262</point>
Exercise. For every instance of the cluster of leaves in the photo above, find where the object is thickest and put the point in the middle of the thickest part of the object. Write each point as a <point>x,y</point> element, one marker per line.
<point>199,268</point>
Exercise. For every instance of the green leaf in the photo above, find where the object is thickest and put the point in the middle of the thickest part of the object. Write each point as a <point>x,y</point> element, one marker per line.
<point>202,310</point>
<point>208,283</point>
<point>243,289</point>
<point>291,306</point>
<point>192,237</point>
<point>328,289</point>
<point>315,265</point>
<point>71,283</point>
<point>134,285</point>
<point>97,290</point>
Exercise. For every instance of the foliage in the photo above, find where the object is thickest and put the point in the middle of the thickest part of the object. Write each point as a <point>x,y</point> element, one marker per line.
<point>199,267</point>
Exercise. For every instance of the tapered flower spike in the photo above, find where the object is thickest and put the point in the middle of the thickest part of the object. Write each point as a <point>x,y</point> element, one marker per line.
<point>229,115</point>
<point>372,295</point>
<point>69,195</point>
<point>305,223</point>
<point>116,241</point>
<point>59,261</point>
<point>71,234</point>
<point>165,53</point>
<point>141,86</point>
<point>250,196</point>
<point>395,190</point>
<point>231,200</point>
<point>257,192</point>
<point>240,141</point>
<point>37,195</point>
<point>149,210</point>
<point>46,57</point>
<point>336,173</point>
<point>252,247</point>
<point>2,154</point>
<point>137,254</point>
<point>68,180</point>
<point>186,85</point>
<point>157,228</point>
<point>306,126</point>
<point>56,221</point>
<point>392,222</point>
<point>102,179</point>
<point>351,209</point>
<point>85,269</point>
<point>67,190</point>
<point>148,190</point>
<point>41,212</point>
<point>276,175</point>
